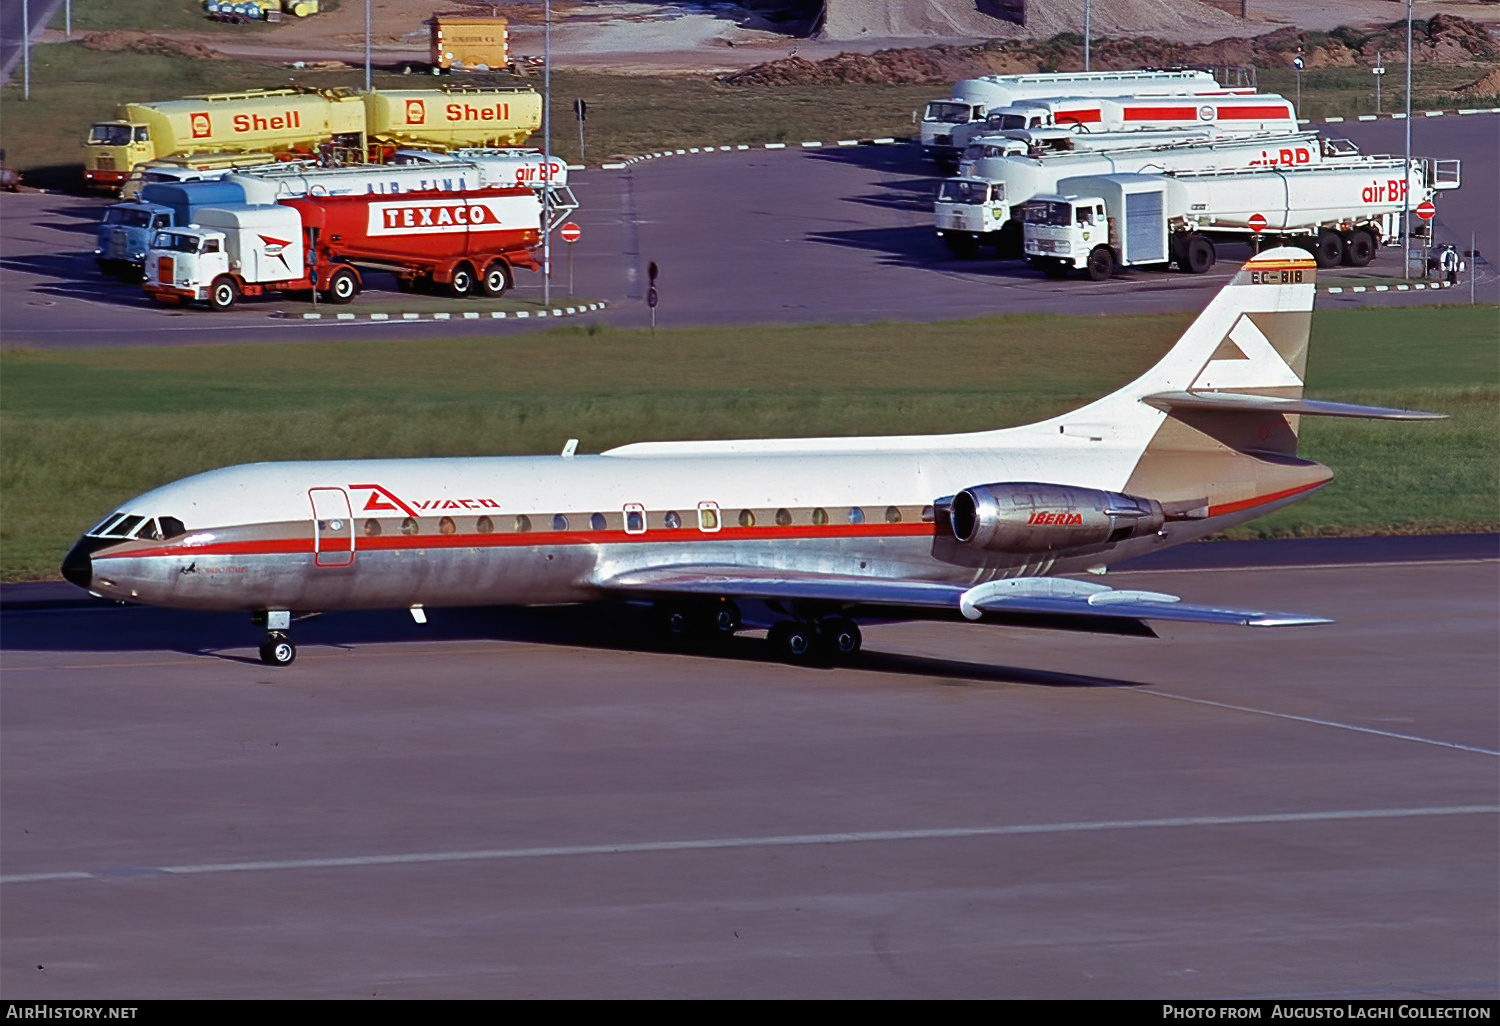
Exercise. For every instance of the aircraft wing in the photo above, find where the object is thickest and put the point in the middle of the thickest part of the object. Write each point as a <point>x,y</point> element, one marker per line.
<point>1024,601</point>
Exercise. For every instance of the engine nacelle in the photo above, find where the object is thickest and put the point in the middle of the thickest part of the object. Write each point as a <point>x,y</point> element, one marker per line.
<point>1029,517</point>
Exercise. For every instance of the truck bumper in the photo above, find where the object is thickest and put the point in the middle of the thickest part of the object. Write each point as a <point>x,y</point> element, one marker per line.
<point>173,294</point>
<point>105,179</point>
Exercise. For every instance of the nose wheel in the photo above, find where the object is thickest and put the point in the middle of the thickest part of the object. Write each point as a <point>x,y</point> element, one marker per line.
<point>278,649</point>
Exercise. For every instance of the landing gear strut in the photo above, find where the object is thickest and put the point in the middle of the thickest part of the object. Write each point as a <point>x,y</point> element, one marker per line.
<point>277,650</point>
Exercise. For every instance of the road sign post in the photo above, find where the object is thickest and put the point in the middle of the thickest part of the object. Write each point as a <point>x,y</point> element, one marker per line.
<point>1299,64</point>
<point>581,110</point>
<point>570,233</point>
<point>651,295</point>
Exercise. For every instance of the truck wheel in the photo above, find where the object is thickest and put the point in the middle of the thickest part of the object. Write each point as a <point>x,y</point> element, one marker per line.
<point>963,246</point>
<point>1101,263</point>
<point>1329,249</point>
<point>1009,243</point>
<point>222,293</point>
<point>343,286</point>
<point>462,282</point>
<point>496,279</point>
<point>1200,254</point>
<point>1359,250</point>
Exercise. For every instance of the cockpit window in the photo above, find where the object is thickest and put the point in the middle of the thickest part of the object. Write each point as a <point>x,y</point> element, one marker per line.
<point>98,529</point>
<point>123,527</point>
<point>148,532</point>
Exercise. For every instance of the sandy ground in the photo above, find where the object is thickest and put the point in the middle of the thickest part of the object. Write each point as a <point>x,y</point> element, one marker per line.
<point>654,38</point>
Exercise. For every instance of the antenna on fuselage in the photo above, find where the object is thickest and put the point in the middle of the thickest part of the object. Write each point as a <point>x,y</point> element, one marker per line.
<point>570,449</point>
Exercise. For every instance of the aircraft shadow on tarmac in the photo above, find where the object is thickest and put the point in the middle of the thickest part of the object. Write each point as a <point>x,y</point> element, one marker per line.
<point>73,627</point>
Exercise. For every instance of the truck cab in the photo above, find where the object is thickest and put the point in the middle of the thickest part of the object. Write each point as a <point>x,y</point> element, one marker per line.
<point>1101,222</point>
<point>124,235</point>
<point>947,126</point>
<point>112,149</point>
<point>183,263</point>
<point>972,212</point>
<point>235,250</point>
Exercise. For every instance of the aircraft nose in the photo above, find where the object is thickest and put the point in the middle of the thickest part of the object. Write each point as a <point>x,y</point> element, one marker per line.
<point>77,565</point>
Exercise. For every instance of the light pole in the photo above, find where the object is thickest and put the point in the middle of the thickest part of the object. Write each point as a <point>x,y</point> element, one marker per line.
<point>1379,72</point>
<point>1406,180</point>
<point>367,46</point>
<point>547,160</point>
<point>1086,12</point>
<point>26,47</point>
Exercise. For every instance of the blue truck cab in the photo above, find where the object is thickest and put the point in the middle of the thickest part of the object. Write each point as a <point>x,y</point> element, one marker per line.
<point>127,229</point>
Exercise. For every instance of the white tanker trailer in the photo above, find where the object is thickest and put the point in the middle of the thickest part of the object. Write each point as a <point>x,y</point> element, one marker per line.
<point>1339,213</point>
<point>984,209</point>
<point>947,125</point>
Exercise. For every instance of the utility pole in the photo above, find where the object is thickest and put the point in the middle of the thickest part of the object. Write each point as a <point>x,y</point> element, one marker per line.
<point>26,47</point>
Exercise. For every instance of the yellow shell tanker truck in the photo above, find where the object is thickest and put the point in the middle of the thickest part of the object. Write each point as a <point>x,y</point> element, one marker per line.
<point>358,127</point>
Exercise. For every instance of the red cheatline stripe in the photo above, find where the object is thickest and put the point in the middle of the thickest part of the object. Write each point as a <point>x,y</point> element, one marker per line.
<point>1161,113</point>
<point>1253,113</point>
<point>1077,117</point>
<point>1261,500</point>
<point>387,543</point>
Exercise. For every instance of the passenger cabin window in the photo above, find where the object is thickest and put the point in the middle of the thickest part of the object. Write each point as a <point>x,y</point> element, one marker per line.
<point>559,523</point>
<point>747,518</point>
<point>820,516</point>
<point>484,525</point>
<point>708,517</point>
<point>783,518</point>
<point>409,526</point>
<point>856,515</point>
<point>372,528</point>
<point>523,524</point>
<point>597,522</point>
<point>672,520</point>
<point>892,515</point>
<point>447,526</point>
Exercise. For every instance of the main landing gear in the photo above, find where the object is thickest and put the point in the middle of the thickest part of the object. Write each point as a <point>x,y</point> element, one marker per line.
<point>804,640</point>
<point>277,650</point>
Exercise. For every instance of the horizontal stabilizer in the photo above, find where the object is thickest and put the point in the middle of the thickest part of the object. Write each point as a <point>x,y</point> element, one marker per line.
<point>1061,598</point>
<point>1245,403</point>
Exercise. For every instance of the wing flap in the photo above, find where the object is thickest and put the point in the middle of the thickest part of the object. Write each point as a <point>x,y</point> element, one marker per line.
<point>1059,601</point>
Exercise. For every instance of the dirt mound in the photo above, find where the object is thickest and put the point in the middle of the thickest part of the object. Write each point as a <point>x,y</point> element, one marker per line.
<point>1485,88</point>
<point>119,40</point>
<point>1442,39</point>
<point>897,19</point>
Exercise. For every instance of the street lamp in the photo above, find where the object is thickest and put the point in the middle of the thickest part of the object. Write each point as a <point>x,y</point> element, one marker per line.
<point>1379,72</point>
<point>1086,4</point>
<point>1406,199</point>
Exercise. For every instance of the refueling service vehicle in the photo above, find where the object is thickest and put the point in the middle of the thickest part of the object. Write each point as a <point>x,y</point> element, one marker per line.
<point>126,231</point>
<point>1229,111</point>
<point>470,242</point>
<point>333,125</point>
<point>1339,213</point>
<point>947,125</point>
<point>984,208</point>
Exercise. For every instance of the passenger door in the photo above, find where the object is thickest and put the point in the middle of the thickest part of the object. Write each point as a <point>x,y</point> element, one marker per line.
<point>333,527</point>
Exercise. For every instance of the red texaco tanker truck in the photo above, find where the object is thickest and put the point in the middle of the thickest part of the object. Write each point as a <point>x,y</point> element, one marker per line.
<point>469,242</point>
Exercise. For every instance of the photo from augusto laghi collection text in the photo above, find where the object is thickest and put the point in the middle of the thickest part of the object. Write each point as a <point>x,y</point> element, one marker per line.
<point>1327,1010</point>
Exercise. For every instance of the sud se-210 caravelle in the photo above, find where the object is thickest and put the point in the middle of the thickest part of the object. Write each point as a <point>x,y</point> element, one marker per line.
<point>822,532</point>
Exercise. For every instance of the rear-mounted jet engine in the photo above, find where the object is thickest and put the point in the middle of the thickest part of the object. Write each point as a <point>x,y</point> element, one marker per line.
<point>1027,517</point>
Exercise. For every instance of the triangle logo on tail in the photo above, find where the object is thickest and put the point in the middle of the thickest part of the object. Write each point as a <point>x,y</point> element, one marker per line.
<point>1246,359</point>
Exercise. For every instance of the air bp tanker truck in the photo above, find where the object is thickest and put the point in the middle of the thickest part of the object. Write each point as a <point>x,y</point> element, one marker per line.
<point>333,124</point>
<point>469,242</point>
<point>985,209</point>
<point>948,125</point>
<point>1339,213</point>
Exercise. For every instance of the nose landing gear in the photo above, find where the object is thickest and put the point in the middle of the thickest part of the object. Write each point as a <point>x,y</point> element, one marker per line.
<point>277,650</point>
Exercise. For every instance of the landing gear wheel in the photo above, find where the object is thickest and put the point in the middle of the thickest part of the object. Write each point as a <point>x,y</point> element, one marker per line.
<point>723,619</point>
<point>278,650</point>
<point>222,293</point>
<point>840,637</point>
<point>343,286</point>
<point>673,622</point>
<point>1359,250</point>
<point>496,280</point>
<point>1198,255</point>
<point>791,641</point>
<point>462,282</point>
<point>1101,263</point>
<point>1328,251</point>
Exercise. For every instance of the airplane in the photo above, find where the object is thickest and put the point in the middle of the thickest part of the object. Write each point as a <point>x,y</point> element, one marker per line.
<point>821,533</point>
